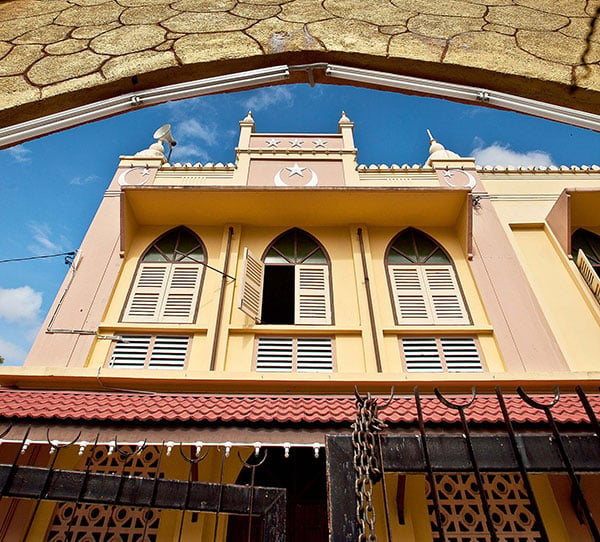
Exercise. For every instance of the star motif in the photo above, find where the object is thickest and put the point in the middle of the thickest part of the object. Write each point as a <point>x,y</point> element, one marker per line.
<point>296,170</point>
<point>448,174</point>
<point>146,172</point>
<point>319,143</point>
<point>296,143</point>
<point>273,142</point>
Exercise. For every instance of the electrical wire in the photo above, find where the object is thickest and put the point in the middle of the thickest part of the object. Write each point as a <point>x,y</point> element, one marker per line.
<point>72,253</point>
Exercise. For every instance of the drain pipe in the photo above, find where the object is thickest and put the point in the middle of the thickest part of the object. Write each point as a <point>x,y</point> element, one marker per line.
<point>224,277</point>
<point>369,300</point>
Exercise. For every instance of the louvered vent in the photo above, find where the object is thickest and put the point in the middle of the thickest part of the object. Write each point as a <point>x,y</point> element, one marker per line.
<point>141,351</point>
<point>315,355</point>
<point>169,352</point>
<point>422,355</point>
<point>275,354</point>
<point>589,274</point>
<point>301,354</point>
<point>433,354</point>
<point>131,352</point>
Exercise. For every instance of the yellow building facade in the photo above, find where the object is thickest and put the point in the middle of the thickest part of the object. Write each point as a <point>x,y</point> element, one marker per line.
<point>195,378</point>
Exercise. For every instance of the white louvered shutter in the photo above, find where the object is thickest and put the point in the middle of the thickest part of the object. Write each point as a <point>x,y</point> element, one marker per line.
<point>130,352</point>
<point>313,302</point>
<point>147,293</point>
<point>410,296</point>
<point>181,295</point>
<point>275,354</point>
<point>253,272</point>
<point>314,354</point>
<point>169,352</point>
<point>588,273</point>
<point>422,355</point>
<point>461,354</point>
<point>446,300</point>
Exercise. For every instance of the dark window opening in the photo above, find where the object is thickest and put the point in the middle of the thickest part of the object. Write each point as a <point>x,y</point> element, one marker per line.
<point>278,295</point>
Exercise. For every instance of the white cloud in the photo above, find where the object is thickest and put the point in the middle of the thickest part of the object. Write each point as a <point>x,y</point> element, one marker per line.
<point>501,154</point>
<point>12,353</point>
<point>20,153</point>
<point>84,180</point>
<point>193,128</point>
<point>20,304</point>
<point>189,153</point>
<point>46,241</point>
<point>267,97</point>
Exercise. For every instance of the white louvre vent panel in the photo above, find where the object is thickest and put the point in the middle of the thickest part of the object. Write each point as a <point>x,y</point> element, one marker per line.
<point>410,297</point>
<point>461,354</point>
<point>148,290</point>
<point>314,355</point>
<point>422,355</point>
<point>182,293</point>
<point>253,273</point>
<point>275,354</point>
<point>313,305</point>
<point>445,295</point>
<point>130,352</point>
<point>164,293</point>
<point>589,274</point>
<point>169,352</point>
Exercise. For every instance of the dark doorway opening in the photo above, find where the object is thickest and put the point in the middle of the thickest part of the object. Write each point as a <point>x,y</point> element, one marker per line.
<point>278,295</point>
<point>303,476</point>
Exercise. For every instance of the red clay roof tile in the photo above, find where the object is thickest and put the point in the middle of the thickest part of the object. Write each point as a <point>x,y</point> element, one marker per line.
<point>132,407</point>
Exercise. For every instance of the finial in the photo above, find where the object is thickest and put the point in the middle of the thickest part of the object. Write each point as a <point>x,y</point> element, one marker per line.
<point>431,138</point>
<point>344,118</point>
<point>248,117</point>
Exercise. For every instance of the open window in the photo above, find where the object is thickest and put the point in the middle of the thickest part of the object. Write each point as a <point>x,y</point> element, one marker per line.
<point>168,279</point>
<point>585,248</point>
<point>423,282</point>
<point>291,285</point>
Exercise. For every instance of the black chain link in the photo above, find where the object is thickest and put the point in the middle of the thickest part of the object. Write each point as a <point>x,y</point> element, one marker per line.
<point>366,464</point>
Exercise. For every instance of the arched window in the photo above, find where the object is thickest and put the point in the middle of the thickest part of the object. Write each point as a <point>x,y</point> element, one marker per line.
<point>167,282</point>
<point>291,283</point>
<point>585,248</point>
<point>423,281</point>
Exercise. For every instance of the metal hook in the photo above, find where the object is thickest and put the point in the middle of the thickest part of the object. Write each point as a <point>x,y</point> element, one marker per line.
<point>2,435</point>
<point>253,465</point>
<point>191,459</point>
<point>532,402</point>
<point>127,455</point>
<point>389,401</point>
<point>58,446</point>
<point>452,405</point>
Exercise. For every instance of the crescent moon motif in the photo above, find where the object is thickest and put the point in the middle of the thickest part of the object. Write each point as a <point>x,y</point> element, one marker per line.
<point>123,182</point>
<point>472,181</point>
<point>314,180</point>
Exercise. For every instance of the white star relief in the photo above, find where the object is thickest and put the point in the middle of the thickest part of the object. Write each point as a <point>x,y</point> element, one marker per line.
<point>319,143</point>
<point>296,143</point>
<point>448,174</point>
<point>273,142</point>
<point>296,170</point>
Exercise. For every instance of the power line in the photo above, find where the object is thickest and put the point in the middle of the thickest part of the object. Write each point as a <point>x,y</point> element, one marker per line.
<point>72,253</point>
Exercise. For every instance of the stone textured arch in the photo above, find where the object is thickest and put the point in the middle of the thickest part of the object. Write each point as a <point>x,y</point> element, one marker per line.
<point>65,53</point>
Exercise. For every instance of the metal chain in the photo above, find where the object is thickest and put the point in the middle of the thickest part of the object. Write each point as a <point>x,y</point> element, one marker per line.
<point>366,464</point>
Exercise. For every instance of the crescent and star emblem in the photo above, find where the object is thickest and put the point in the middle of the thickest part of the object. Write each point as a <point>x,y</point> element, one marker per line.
<point>296,170</point>
<point>145,175</point>
<point>448,175</point>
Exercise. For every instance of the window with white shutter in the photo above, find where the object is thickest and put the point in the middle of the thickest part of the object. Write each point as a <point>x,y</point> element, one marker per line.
<point>423,282</point>
<point>150,352</point>
<point>291,285</point>
<point>168,280</point>
<point>586,254</point>
<point>441,354</point>
<point>294,354</point>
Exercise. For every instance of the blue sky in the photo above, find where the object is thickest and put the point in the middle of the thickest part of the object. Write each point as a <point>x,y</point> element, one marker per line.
<point>51,187</point>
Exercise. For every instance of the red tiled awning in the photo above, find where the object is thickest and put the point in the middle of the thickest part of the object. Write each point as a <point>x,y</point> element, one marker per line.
<point>162,407</point>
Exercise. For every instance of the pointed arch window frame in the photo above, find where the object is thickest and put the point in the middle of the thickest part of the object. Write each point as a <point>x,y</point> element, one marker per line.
<point>424,291</point>
<point>313,289</point>
<point>167,290</point>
